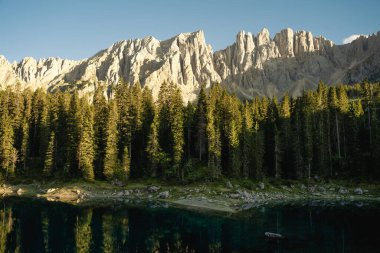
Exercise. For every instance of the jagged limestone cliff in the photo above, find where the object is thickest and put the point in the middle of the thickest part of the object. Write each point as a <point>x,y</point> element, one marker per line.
<point>253,65</point>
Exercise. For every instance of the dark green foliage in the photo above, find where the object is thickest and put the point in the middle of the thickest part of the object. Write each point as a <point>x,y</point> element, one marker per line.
<point>332,132</point>
<point>100,127</point>
<point>247,140</point>
<point>201,124</point>
<point>39,128</point>
<point>111,161</point>
<point>49,163</point>
<point>171,135</point>
<point>125,166</point>
<point>213,131</point>
<point>86,143</point>
<point>148,114</point>
<point>73,135</point>
<point>8,153</point>
<point>153,149</point>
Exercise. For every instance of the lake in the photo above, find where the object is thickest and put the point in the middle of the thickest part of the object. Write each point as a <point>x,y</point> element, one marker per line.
<point>31,225</point>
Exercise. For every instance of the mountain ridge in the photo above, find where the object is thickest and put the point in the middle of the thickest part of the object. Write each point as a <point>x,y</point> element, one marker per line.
<point>254,65</point>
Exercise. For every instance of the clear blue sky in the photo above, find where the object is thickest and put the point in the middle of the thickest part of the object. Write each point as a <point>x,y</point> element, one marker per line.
<point>77,29</point>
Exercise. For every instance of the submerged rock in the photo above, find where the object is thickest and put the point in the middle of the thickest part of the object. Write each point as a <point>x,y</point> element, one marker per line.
<point>343,190</point>
<point>274,235</point>
<point>234,196</point>
<point>163,195</point>
<point>153,188</point>
<point>358,191</point>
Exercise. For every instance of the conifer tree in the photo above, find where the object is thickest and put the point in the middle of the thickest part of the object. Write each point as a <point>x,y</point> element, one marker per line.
<point>123,100</point>
<point>50,156</point>
<point>354,122</point>
<point>327,132</point>
<point>258,152</point>
<point>148,113</point>
<point>334,106</point>
<point>62,133</point>
<point>111,161</point>
<point>189,118</point>
<point>284,135</point>
<point>213,131</point>
<point>296,147</point>
<point>342,97</point>
<point>153,148</point>
<point>86,143</point>
<point>232,129</point>
<point>258,141</point>
<point>125,165</point>
<point>163,110</point>
<point>200,123</point>
<point>73,134</point>
<point>135,140</point>
<point>39,127</point>
<point>322,151</point>
<point>247,141</point>
<point>176,127</point>
<point>272,158</point>
<point>24,131</point>
<point>100,124</point>
<point>8,154</point>
<point>375,134</point>
<point>171,136</point>
<point>24,148</point>
<point>343,105</point>
<point>306,134</point>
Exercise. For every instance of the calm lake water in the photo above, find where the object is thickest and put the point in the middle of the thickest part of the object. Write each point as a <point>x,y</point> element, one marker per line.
<point>41,226</point>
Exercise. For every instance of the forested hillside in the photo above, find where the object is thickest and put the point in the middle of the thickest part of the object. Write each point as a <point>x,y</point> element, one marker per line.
<point>332,132</point>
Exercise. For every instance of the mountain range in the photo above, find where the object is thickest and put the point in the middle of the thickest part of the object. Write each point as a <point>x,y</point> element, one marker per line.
<point>255,65</point>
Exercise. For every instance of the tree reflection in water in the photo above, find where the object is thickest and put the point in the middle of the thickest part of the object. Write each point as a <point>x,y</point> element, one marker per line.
<point>40,226</point>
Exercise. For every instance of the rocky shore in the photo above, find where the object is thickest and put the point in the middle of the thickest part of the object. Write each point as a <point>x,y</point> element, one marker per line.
<point>227,197</point>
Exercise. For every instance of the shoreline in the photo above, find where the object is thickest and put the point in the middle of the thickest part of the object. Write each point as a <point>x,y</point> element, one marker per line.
<point>210,198</point>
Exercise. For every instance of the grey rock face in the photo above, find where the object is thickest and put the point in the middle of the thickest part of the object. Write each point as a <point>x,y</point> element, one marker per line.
<point>293,61</point>
<point>284,41</point>
<point>185,59</point>
<point>253,65</point>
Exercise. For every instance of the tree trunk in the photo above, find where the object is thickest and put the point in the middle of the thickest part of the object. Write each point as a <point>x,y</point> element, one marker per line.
<point>337,133</point>
<point>200,147</point>
<point>369,125</point>
<point>188,142</point>
<point>329,144</point>
<point>344,143</point>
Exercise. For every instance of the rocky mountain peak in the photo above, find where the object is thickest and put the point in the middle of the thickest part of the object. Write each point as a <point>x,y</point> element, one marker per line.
<point>284,41</point>
<point>253,65</point>
<point>263,37</point>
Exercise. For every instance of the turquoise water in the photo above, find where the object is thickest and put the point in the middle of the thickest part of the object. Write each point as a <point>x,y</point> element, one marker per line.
<point>41,226</point>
